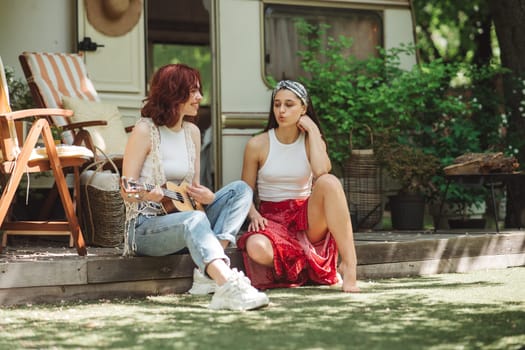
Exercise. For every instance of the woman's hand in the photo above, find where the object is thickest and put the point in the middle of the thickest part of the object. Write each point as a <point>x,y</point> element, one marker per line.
<point>132,191</point>
<point>306,124</point>
<point>201,194</point>
<point>257,222</point>
<point>155,195</point>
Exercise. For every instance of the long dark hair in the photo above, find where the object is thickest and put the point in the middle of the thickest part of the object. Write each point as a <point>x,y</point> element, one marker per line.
<point>170,87</point>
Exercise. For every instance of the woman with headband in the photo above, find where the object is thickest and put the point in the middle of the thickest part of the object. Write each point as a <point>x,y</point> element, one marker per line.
<point>302,220</point>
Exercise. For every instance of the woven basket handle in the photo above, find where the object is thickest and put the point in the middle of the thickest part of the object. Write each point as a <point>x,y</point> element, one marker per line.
<point>107,160</point>
<point>369,132</point>
<point>99,165</point>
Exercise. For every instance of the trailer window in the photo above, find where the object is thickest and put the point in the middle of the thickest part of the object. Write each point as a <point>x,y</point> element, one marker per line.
<point>196,56</point>
<point>281,41</point>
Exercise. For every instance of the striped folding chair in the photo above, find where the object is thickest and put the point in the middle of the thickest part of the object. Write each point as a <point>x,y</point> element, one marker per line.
<point>60,80</point>
<point>53,76</point>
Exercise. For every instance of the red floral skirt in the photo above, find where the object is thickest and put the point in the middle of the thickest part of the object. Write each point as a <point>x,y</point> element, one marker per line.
<point>296,260</point>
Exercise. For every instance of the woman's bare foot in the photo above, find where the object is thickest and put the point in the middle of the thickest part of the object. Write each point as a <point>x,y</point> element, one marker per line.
<point>349,284</point>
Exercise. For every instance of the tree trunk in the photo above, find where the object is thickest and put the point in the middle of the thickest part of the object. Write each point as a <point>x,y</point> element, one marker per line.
<point>483,48</point>
<point>509,21</point>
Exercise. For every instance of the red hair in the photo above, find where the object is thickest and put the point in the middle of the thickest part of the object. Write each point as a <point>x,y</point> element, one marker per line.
<point>169,88</point>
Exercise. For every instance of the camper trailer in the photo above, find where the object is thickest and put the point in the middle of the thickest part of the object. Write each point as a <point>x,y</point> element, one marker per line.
<point>237,45</point>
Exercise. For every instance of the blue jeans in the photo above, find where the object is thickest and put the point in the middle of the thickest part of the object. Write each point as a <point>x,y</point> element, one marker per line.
<point>198,231</point>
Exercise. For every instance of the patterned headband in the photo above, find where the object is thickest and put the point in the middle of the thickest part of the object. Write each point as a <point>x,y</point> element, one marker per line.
<point>293,86</point>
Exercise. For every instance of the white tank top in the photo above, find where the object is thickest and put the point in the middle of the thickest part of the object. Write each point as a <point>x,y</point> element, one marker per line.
<point>286,174</point>
<point>174,154</point>
<point>171,159</point>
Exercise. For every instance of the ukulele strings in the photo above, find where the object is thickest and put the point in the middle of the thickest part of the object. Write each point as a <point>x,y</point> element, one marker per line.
<point>168,193</point>
<point>174,195</point>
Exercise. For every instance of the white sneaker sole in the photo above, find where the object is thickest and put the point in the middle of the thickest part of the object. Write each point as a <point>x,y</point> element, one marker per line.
<point>202,290</point>
<point>249,305</point>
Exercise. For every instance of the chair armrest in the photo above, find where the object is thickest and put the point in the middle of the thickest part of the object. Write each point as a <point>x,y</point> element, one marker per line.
<point>80,125</point>
<point>36,112</point>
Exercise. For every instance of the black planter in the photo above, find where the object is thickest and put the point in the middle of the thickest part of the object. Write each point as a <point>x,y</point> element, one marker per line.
<point>466,223</point>
<point>407,211</point>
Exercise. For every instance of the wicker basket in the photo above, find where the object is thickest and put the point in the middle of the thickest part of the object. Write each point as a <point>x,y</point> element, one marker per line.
<point>103,211</point>
<point>362,185</point>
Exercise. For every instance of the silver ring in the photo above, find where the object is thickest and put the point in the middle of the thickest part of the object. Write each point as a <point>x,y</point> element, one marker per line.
<point>129,195</point>
<point>137,196</point>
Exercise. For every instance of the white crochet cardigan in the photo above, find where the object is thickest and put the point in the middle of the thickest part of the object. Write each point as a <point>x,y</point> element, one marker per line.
<point>156,177</point>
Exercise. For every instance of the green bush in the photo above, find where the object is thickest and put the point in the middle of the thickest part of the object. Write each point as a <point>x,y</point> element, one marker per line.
<point>434,107</point>
<point>19,95</point>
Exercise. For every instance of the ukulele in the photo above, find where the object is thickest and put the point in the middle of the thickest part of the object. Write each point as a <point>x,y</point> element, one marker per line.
<point>176,197</point>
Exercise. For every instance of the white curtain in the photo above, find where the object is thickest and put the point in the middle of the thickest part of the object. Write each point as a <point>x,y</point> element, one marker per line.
<point>282,40</point>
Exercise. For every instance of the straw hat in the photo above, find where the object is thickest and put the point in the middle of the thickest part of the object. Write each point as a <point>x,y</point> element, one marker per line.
<point>113,17</point>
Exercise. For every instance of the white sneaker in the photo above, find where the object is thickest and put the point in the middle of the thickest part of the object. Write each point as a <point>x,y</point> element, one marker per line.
<point>238,294</point>
<point>202,285</point>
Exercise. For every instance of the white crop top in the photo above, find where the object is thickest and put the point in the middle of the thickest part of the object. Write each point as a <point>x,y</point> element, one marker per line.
<point>174,153</point>
<point>286,174</point>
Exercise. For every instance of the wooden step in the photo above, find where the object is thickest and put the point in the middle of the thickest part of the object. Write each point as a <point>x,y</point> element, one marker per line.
<point>50,275</point>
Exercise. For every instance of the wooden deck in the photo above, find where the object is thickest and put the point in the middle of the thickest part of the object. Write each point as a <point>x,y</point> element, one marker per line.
<point>40,270</point>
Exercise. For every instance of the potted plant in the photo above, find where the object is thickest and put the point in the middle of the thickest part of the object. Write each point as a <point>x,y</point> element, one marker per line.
<point>56,131</point>
<point>437,107</point>
<point>412,169</point>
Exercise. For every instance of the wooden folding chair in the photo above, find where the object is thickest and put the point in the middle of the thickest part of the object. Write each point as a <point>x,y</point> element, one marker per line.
<point>51,77</point>
<point>16,160</point>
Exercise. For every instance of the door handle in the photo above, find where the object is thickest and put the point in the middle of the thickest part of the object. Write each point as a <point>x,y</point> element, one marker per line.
<point>87,45</point>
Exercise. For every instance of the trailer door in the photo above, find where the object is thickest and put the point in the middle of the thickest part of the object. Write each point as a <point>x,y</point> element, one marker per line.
<point>116,63</point>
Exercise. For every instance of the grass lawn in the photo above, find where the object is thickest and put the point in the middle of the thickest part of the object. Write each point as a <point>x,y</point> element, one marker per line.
<point>479,310</point>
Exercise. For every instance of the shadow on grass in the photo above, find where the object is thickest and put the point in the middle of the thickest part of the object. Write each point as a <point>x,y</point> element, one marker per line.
<point>414,313</point>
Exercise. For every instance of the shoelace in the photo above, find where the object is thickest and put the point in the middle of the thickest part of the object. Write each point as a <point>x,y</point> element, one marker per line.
<point>243,281</point>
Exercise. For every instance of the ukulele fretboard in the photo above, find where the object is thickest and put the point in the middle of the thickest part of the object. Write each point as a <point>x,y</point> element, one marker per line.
<point>167,193</point>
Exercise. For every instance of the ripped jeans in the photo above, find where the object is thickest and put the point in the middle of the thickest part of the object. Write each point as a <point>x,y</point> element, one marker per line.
<point>198,231</point>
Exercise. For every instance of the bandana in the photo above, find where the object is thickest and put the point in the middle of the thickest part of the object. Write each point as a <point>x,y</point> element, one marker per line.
<point>293,86</point>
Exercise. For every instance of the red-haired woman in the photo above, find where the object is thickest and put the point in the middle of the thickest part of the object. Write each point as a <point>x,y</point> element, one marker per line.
<point>303,218</point>
<point>163,148</point>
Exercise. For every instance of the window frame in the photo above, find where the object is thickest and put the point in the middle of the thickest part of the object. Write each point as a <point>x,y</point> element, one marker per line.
<point>372,7</point>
